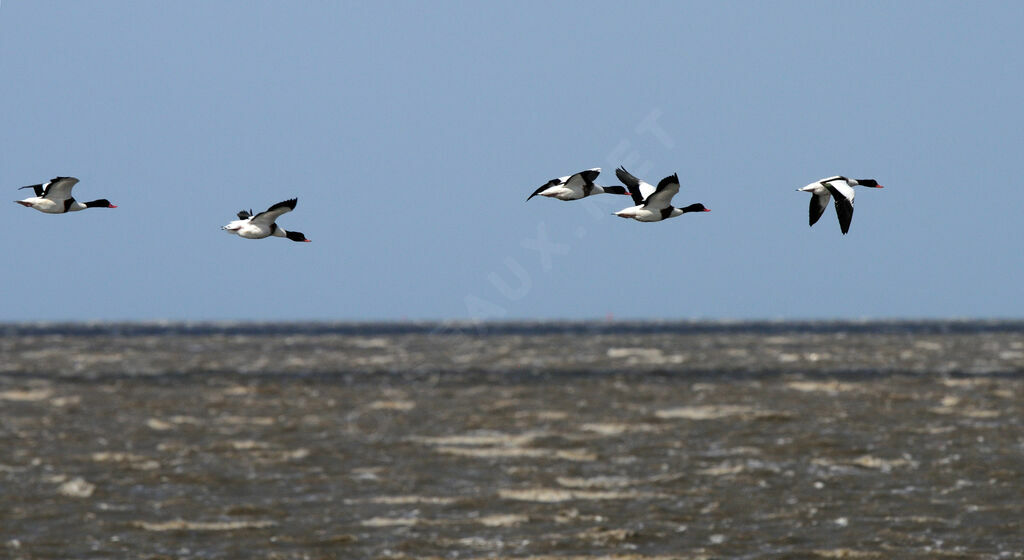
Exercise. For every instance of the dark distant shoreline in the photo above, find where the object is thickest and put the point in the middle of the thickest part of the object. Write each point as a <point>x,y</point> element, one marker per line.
<point>512,327</point>
<point>515,348</point>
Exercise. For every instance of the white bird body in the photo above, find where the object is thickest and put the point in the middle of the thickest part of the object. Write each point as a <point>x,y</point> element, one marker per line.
<point>643,214</point>
<point>245,228</point>
<point>43,204</point>
<point>653,204</point>
<point>575,186</point>
<point>54,197</point>
<point>264,224</point>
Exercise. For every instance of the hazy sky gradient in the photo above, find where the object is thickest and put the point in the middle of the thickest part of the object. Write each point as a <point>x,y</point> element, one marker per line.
<point>412,133</point>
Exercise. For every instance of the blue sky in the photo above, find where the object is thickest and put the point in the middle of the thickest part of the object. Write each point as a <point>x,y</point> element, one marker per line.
<point>412,132</point>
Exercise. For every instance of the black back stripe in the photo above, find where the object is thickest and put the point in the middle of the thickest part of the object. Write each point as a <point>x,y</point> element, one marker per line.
<point>589,176</point>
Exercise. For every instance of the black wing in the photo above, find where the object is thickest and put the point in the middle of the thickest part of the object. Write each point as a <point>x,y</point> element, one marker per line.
<point>59,188</point>
<point>37,188</point>
<point>289,204</point>
<point>844,208</point>
<point>547,185</point>
<point>275,211</point>
<point>818,206</point>
<point>243,214</point>
<point>632,184</point>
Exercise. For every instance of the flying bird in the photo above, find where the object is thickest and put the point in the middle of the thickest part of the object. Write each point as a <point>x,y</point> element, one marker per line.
<point>653,204</point>
<point>263,224</point>
<point>575,186</point>
<point>842,189</point>
<point>54,197</point>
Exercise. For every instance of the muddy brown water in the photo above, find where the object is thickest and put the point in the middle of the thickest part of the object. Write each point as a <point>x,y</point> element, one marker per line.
<point>632,441</point>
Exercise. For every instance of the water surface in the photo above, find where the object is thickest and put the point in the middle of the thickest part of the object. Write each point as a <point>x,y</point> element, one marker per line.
<point>554,441</point>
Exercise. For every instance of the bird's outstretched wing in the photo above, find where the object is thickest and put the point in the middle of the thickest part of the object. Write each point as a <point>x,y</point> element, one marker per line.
<point>59,188</point>
<point>638,189</point>
<point>844,203</point>
<point>662,197</point>
<point>632,184</point>
<point>271,214</point>
<point>818,205</point>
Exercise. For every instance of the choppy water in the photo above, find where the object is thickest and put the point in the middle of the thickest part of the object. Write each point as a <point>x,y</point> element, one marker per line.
<point>555,441</point>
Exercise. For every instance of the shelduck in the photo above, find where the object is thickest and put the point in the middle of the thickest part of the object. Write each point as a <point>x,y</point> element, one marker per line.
<point>842,189</point>
<point>653,204</point>
<point>54,197</point>
<point>575,186</point>
<point>263,224</point>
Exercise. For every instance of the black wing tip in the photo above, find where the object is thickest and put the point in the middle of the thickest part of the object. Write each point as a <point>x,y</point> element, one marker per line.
<point>845,221</point>
<point>289,204</point>
<point>844,210</point>
<point>673,178</point>
<point>632,184</point>
<point>625,176</point>
<point>37,189</point>
<point>543,187</point>
<point>816,209</point>
<point>540,189</point>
